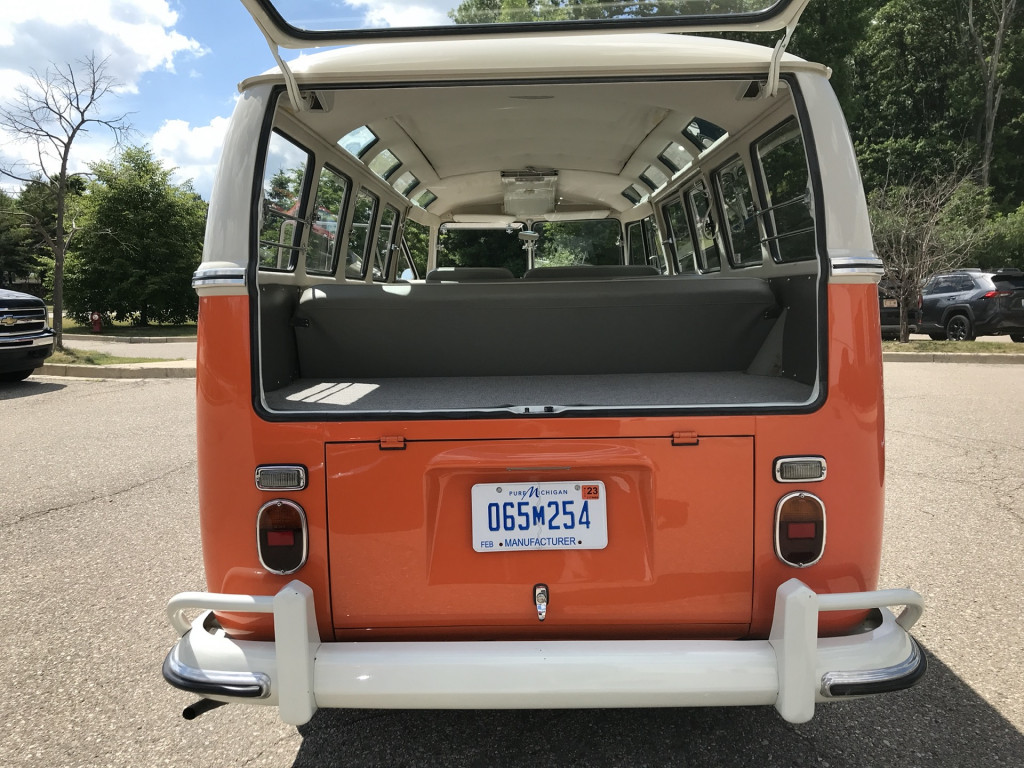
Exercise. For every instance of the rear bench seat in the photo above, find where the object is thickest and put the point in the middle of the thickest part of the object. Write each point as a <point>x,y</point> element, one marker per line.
<point>537,327</point>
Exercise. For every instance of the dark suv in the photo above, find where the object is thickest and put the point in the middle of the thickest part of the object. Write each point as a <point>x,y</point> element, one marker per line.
<point>968,303</point>
<point>26,339</point>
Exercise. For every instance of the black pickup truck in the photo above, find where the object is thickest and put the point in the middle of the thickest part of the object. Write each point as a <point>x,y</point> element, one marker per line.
<point>26,339</point>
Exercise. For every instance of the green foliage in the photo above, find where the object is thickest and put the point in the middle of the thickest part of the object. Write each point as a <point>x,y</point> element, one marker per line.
<point>481,248</point>
<point>1004,242</point>
<point>141,241</point>
<point>17,255</point>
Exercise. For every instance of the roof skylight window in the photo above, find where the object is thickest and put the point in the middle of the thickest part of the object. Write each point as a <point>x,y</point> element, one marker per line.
<point>406,183</point>
<point>675,157</point>
<point>632,194</point>
<point>358,141</point>
<point>424,198</point>
<point>385,163</point>
<point>653,177</point>
<point>702,133</point>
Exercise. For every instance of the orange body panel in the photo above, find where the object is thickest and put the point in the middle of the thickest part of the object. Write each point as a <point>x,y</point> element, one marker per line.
<point>402,555</point>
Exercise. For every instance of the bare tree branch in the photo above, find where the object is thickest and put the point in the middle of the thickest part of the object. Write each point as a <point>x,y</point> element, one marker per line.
<point>55,109</point>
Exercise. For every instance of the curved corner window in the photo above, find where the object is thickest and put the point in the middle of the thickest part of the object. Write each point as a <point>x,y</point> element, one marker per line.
<point>284,190</point>
<point>788,219</point>
<point>358,141</point>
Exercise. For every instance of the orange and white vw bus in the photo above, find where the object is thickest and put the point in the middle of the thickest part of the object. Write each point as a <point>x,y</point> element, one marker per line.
<point>539,366</point>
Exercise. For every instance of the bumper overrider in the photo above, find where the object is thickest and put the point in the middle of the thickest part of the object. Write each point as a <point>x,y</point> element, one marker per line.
<point>792,670</point>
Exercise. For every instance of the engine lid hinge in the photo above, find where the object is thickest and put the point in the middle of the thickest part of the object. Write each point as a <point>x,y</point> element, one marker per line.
<point>392,443</point>
<point>685,438</point>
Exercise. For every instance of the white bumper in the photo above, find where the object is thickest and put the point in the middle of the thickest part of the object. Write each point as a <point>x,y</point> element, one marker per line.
<point>791,670</point>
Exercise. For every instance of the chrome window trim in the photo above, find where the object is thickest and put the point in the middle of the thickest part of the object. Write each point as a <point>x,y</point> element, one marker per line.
<point>278,467</point>
<point>305,535</point>
<point>824,528</point>
<point>234,276</point>
<point>793,459</point>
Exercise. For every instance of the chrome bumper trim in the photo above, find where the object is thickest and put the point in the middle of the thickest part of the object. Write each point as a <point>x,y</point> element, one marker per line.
<point>895,678</point>
<point>204,682</point>
<point>21,342</point>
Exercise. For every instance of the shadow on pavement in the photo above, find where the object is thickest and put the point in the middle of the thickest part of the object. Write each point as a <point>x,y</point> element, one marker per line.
<point>941,722</point>
<point>27,388</point>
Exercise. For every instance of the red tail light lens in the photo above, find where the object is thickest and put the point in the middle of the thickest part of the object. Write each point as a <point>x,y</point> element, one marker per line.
<point>800,529</point>
<point>997,294</point>
<point>281,536</point>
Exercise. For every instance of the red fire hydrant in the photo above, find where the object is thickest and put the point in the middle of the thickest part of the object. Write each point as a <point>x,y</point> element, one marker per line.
<point>97,325</point>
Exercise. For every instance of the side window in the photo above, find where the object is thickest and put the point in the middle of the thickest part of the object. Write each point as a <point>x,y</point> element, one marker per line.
<point>328,216</point>
<point>708,258</point>
<point>284,184</point>
<point>966,283</point>
<point>655,250</point>
<point>385,241</point>
<point>359,234</point>
<point>635,239</point>
<point>679,235</point>
<point>417,241</point>
<point>741,228</point>
<point>787,220</point>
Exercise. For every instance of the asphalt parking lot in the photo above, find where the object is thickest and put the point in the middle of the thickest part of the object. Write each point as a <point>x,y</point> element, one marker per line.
<point>100,528</point>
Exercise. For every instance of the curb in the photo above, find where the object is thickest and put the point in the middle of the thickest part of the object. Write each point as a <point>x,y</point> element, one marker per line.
<point>133,371</point>
<point>128,339</point>
<point>952,357</point>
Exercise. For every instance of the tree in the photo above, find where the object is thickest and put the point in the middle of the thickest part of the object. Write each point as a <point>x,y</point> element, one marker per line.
<point>923,228</point>
<point>141,239</point>
<point>50,114</point>
<point>988,43</point>
<point>17,258</point>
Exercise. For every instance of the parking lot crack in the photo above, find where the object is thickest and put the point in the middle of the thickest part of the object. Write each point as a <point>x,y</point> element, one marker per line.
<point>37,514</point>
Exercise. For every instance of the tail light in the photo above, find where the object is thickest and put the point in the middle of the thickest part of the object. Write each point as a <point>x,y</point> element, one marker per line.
<point>800,529</point>
<point>282,536</point>
<point>997,294</point>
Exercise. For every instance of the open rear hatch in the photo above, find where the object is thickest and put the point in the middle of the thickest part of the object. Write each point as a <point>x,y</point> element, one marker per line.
<point>646,534</point>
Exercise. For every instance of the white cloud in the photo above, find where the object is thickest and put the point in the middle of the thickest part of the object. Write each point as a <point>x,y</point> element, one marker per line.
<point>387,13</point>
<point>138,36</point>
<point>193,151</point>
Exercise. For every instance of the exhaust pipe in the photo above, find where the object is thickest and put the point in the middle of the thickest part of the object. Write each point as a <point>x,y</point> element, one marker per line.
<point>201,707</point>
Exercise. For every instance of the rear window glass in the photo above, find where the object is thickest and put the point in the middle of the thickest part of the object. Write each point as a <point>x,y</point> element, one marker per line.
<point>568,243</point>
<point>481,248</point>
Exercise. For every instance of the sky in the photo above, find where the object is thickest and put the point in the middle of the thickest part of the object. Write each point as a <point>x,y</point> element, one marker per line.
<point>178,63</point>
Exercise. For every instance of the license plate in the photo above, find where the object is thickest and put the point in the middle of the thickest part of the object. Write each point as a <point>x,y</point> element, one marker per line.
<point>514,517</point>
<point>890,303</point>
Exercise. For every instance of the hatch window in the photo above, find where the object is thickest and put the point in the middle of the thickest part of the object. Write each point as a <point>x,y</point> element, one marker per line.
<point>284,187</point>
